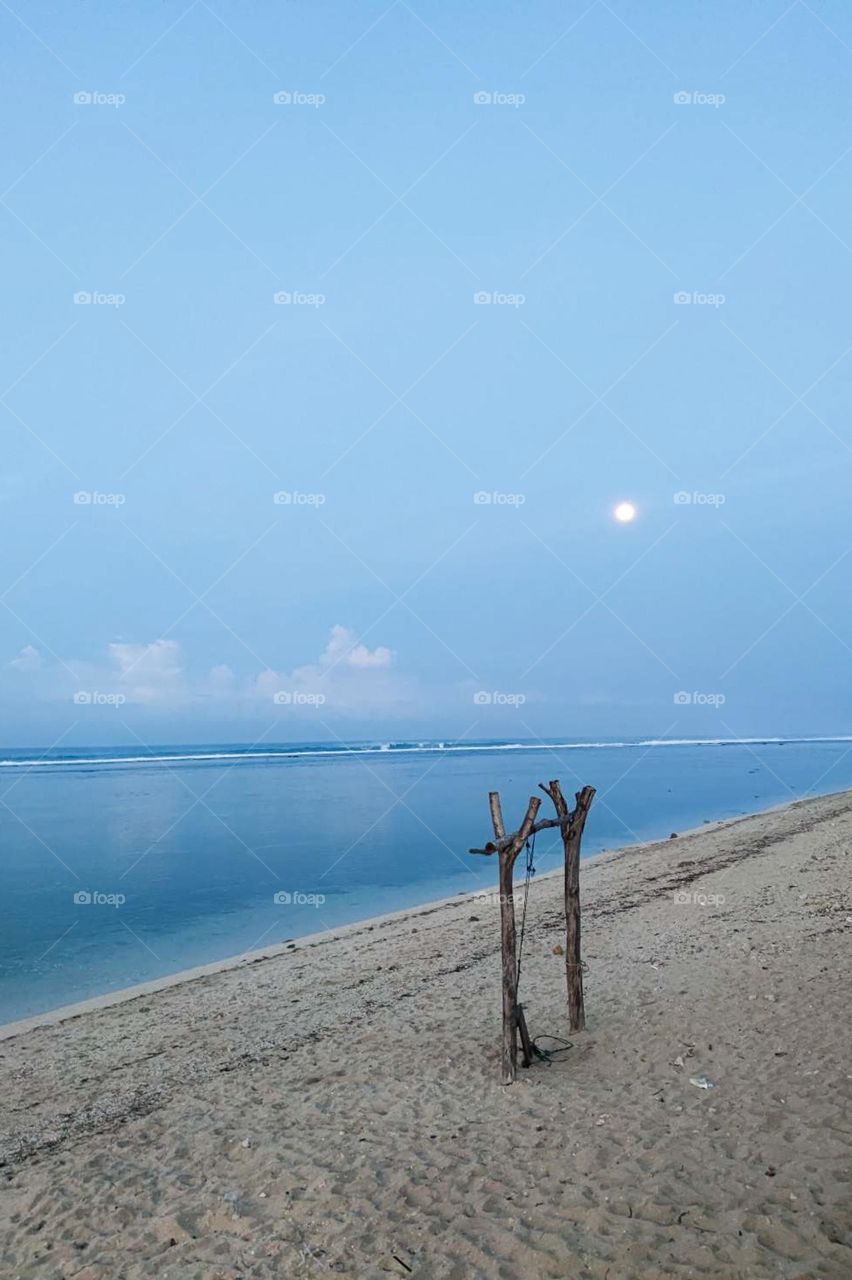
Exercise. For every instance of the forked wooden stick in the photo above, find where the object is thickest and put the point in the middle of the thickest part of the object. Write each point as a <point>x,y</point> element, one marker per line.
<point>572,823</point>
<point>508,852</point>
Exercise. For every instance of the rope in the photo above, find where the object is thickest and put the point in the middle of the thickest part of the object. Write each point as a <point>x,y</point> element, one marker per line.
<point>530,873</point>
<point>546,1056</point>
<point>549,1055</point>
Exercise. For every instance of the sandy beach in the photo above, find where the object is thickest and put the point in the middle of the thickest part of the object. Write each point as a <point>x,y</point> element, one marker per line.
<point>335,1108</point>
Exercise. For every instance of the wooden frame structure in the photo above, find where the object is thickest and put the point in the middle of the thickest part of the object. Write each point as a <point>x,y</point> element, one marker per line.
<point>507,847</point>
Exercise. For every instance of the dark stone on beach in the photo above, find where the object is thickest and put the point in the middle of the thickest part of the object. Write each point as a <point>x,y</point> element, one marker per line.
<point>673,836</point>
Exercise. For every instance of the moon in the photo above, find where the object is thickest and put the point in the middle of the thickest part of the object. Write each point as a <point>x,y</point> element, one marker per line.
<point>625,512</point>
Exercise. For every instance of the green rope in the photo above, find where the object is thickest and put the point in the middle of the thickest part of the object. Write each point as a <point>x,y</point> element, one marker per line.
<point>547,1056</point>
<point>530,873</point>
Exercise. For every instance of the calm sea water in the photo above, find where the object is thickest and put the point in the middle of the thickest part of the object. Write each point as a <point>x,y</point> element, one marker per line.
<point>116,869</point>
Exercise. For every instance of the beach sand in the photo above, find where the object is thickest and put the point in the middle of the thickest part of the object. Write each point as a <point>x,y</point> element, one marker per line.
<point>335,1109</point>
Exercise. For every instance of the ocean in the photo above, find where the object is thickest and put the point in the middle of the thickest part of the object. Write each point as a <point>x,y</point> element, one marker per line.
<point>118,867</point>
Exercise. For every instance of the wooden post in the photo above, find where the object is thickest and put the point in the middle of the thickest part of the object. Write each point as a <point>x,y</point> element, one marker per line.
<point>571,824</point>
<point>506,858</point>
<point>526,1043</point>
<point>572,834</point>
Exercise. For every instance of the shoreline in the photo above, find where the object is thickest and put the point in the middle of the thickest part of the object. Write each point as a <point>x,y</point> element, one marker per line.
<point>336,1108</point>
<point>78,1009</point>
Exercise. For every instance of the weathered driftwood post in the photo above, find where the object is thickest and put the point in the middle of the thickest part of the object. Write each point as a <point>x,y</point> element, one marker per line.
<point>507,848</point>
<point>571,827</point>
<point>507,856</point>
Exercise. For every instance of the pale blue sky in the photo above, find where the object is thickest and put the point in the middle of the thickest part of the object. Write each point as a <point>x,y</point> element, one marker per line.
<point>396,398</point>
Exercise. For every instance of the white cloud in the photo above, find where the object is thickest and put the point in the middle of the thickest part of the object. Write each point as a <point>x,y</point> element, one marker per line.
<point>222,678</point>
<point>351,677</point>
<point>343,647</point>
<point>149,673</point>
<point>29,659</point>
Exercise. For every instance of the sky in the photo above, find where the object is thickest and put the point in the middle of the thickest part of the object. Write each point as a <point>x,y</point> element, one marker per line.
<point>335,333</point>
